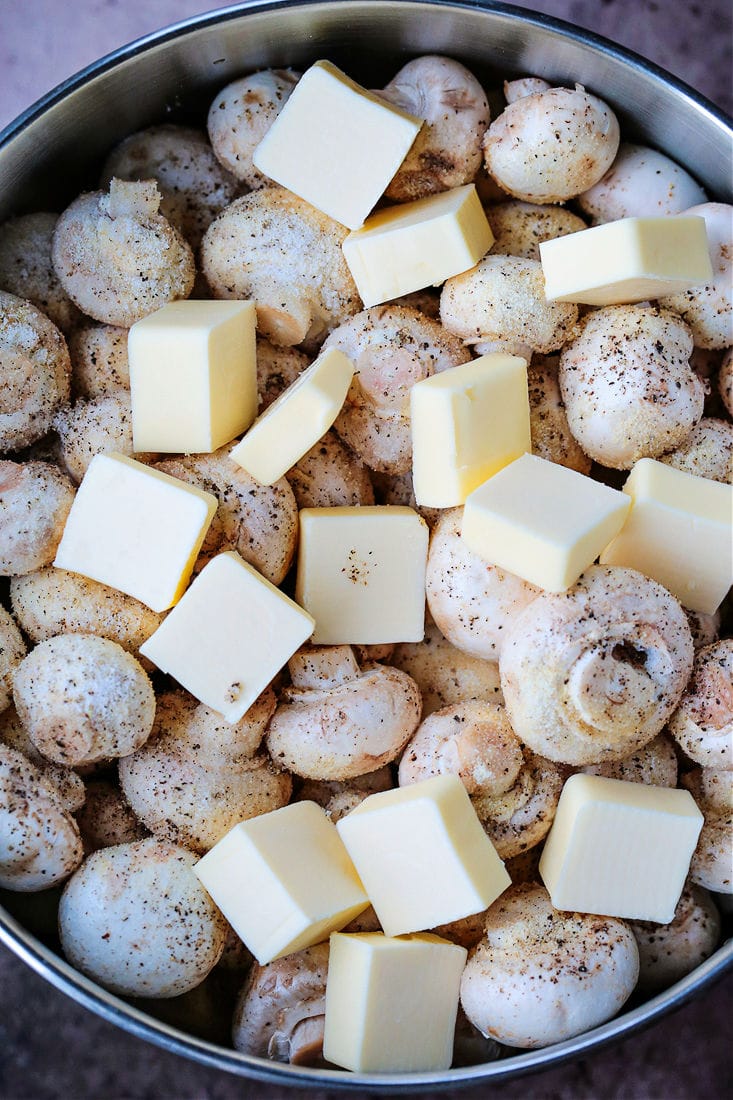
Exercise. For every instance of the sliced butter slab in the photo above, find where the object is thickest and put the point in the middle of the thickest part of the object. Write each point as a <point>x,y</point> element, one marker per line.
<point>418,244</point>
<point>135,529</point>
<point>628,260</point>
<point>335,144</point>
<point>620,849</point>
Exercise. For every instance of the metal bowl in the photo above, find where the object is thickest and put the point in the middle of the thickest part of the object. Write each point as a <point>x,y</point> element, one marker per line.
<point>54,150</point>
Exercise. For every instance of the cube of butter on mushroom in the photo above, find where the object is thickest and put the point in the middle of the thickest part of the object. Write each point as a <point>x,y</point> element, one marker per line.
<point>542,521</point>
<point>228,636</point>
<point>361,574</point>
<point>678,533</point>
<point>297,419</point>
<point>283,880</point>
<point>423,855</point>
<point>193,376</point>
<point>628,260</point>
<point>417,244</point>
<point>620,849</point>
<point>335,144</point>
<point>135,529</point>
<point>391,1002</point>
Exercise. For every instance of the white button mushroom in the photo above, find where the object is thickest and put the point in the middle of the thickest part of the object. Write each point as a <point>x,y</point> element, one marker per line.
<point>702,725</point>
<point>641,183</point>
<point>725,381</point>
<point>26,268</point>
<point>99,359</point>
<point>654,764</point>
<point>520,227</point>
<point>330,475</point>
<point>68,784</point>
<point>35,498</point>
<point>340,797</point>
<point>446,674</point>
<point>708,310</point>
<point>100,425</point>
<point>106,819</point>
<point>548,421</point>
<point>12,652</point>
<point>712,863</point>
<point>667,952</point>
<point>277,368</point>
<point>707,451</point>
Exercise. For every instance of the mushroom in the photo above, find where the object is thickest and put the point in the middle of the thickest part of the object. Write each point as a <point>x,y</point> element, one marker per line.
<point>340,797</point>
<point>446,674</point>
<point>117,257</point>
<point>277,368</point>
<point>198,776</point>
<point>627,384</point>
<point>667,952</point>
<point>338,721</point>
<point>399,489</point>
<point>702,725</point>
<point>330,475</point>
<point>641,183</point>
<point>447,151</point>
<point>27,271</point>
<point>551,145</point>
<point>654,764</point>
<point>520,227</point>
<point>39,840</point>
<point>99,359</point>
<point>725,381</point>
<point>592,674</point>
<point>280,1012</point>
<point>526,85</point>
<point>136,919</point>
<point>470,1047</point>
<point>705,628</point>
<point>83,699</point>
<point>551,435</point>
<point>708,310</point>
<point>69,785</point>
<point>712,862</point>
<point>392,348</point>
<point>707,451</point>
<point>35,372</point>
<point>35,499</point>
<point>12,652</point>
<point>472,602</point>
<point>278,250</point>
<point>106,819</point>
<point>100,425</point>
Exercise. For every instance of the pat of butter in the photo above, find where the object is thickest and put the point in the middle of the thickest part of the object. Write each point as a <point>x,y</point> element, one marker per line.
<point>542,521</point>
<point>628,260</point>
<point>678,533</point>
<point>361,574</point>
<point>418,244</point>
<point>423,855</point>
<point>228,636</point>
<point>297,419</point>
<point>135,529</point>
<point>283,880</point>
<point>467,423</point>
<point>193,376</point>
<point>335,144</point>
<point>620,849</point>
<point>391,1003</point>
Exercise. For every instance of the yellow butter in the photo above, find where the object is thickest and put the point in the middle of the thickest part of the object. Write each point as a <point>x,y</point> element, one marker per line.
<point>679,532</point>
<point>542,521</point>
<point>283,880</point>
<point>361,574</point>
<point>391,1003</point>
<point>335,144</point>
<point>135,529</point>
<point>418,244</point>
<point>620,849</point>
<point>193,376</point>
<point>228,636</point>
<point>467,423</point>
<point>628,260</point>
<point>423,855</point>
<point>297,419</point>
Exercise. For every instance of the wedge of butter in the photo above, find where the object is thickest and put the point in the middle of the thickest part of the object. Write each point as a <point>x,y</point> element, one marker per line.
<point>335,144</point>
<point>361,574</point>
<point>193,376</point>
<point>467,423</point>
<point>679,532</point>
<point>228,636</point>
<point>542,521</point>
<point>417,244</point>
<point>135,529</point>
<point>283,880</point>
<point>391,1003</point>
<point>423,855</point>
<point>297,419</point>
<point>620,849</point>
<point>628,260</point>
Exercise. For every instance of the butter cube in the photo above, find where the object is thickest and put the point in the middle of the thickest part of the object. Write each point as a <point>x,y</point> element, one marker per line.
<point>335,144</point>
<point>678,533</point>
<point>135,529</point>
<point>228,636</point>
<point>297,419</point>
<point>620,849</point>
<point>628,260</point>
<point>417,244</point>
<point>542,521</point>
<point>391,1003</point>
<point>283,880</point>
<point>423,855</point>
<point>361,574</point>
<point>193,376</point>
<point>467,423</point>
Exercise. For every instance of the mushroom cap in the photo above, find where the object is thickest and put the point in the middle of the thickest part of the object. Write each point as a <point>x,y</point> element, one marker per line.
<point>667,952</point>
<point>707,451</point>
<point>26,268</point>
<point>339,797</point>
<point>548,421</point>
<point>520,818</point>
<point>708,310</point>
<point>445,674</point>
<point>106,819</point>
<point>330,475</point>
<point>654,764</point>
<point>35,499</point>
<point>68,784</point>
<point>12,652</point>
<point>712,861</point>
<point>725,381</point>
<point>277,368</point>
<point>99,425</point>
<point>99,360</point>
<point>520,227</point>
<point>641,183</point>
<point>702,725</point>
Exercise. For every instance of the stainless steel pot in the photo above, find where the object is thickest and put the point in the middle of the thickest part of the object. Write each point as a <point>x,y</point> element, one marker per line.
<point>54,150</point>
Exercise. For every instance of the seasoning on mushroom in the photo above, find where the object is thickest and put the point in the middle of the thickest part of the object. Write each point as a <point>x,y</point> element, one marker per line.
<point>26,268</point>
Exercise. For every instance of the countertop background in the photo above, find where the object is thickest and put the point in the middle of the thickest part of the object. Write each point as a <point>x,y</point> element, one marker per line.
<point>50,1048</point>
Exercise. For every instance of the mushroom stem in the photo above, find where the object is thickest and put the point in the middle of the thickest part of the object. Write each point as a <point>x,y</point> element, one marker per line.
<point>306,1043</point>
<point>323,666</point>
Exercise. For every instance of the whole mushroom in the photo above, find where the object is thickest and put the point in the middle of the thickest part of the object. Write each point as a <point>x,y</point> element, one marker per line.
<point>667,952</point>
<point>26,268</point>
<point>712,862</point>
<point>708,310</point>
<point>35,499</point>
<point>702,725</point>
<point>446,674</point>
<point>641,183</point>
